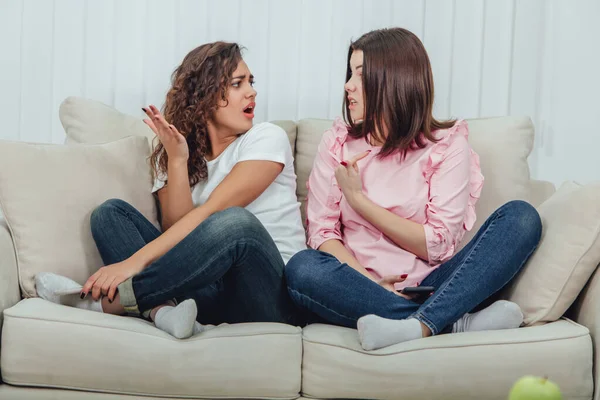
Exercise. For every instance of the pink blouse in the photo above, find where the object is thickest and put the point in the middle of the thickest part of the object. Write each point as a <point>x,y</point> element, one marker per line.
<point>436,186</point>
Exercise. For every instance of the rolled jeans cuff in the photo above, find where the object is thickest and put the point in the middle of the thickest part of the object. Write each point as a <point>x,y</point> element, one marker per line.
<point>128,300</point>
<point>421,318</point>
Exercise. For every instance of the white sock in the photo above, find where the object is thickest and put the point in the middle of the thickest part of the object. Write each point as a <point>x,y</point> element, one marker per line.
<point>62,290</point>
<point>198,328</point>
<point>376,332</point>
<point>500,315</point>
<point>178,321</point>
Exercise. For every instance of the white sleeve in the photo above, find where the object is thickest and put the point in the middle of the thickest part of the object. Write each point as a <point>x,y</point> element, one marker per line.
<point>266,142</point>
<point>159,182</point>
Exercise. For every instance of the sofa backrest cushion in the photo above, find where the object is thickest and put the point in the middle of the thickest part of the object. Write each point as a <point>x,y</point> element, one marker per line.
<point>48,192</point>
<point>90,121</point>
<point>566,257</point>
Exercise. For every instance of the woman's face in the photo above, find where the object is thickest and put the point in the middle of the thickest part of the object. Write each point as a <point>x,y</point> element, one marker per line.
<point>354,87</point>
<point>236,114</point>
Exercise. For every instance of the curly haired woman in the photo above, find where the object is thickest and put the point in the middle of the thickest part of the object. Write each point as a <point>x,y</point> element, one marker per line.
<point>229,212</point>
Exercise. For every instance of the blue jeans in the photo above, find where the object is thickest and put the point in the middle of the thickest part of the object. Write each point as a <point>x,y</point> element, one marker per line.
<point>229,265</point>
<point>335,293</point>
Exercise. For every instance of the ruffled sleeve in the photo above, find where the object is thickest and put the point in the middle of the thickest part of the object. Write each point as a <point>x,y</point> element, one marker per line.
<point>324,195</point>
<point>455,182</point>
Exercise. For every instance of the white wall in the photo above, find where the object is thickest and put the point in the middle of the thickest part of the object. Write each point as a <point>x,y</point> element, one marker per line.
<point>490,57</point>
<point>569,108</point>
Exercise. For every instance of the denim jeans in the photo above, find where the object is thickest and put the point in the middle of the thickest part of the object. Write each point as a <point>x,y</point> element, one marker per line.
<point>229,265</point>
<point>335,293</point>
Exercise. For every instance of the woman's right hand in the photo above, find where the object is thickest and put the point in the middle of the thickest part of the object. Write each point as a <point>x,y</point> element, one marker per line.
<point>174,142</point>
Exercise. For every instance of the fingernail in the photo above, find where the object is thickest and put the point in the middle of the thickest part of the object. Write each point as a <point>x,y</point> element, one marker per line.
<point>110,301</point>
<point>344,163</point>
<point>368,151</point>
<point>81,295</point>
<point>404,276</point>
<point>143,109</point>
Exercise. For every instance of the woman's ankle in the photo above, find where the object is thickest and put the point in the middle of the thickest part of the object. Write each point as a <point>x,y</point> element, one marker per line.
<point>114,307</point>
<point>425,330</point>
<point>155,309</point>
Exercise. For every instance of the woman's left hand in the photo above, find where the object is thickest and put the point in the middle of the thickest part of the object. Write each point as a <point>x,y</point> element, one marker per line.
<point>106,280</point>
<point>348,177</point>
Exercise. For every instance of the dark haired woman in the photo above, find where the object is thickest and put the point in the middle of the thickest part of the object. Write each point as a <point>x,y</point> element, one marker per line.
<point>391,195</point>
<point>230,216</point>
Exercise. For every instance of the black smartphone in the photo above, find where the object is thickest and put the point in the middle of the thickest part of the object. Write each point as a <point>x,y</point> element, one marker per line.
<point>420,290</point>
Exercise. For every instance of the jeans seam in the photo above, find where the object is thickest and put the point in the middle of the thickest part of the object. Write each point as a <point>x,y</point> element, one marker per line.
<point>322,305</point>
<point>425,321</point>
<point>130,215</point>
<point>468,258</point>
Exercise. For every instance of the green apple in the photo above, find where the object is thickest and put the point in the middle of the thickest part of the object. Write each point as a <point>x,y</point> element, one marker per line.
<point>535,388</point>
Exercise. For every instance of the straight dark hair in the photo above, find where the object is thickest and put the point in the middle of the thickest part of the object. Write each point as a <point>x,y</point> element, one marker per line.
<point>397,91</point>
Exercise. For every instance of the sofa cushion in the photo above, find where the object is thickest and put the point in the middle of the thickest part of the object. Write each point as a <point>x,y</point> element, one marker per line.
<point>540,191</point>
<point>48,345</point>
<point>9,279</point>
<point>310,132</point>
<point>47,194</point>
<point>465,366</point>
<point>566,257</point>
<point>90,121</point>
<point>30,393</point>
<point>503,145</point>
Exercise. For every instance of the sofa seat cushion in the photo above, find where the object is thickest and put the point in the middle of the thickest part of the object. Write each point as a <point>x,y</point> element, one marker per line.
<point>49,345</point>
<point>463,366</point>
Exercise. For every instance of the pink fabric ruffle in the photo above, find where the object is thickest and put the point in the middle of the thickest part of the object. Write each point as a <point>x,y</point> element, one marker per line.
<point>476,180</point>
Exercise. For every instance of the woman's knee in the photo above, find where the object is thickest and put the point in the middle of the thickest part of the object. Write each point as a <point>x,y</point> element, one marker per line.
<point>234,221</point>
<point>231,226</point>
<point>303,268</point>
<point>102,215</point>
<point>525,218</point>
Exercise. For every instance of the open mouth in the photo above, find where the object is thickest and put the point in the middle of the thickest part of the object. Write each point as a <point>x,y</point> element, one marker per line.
<point>249,111</point>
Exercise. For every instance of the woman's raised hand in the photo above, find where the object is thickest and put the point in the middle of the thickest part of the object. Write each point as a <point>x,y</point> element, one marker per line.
<point>174,142</point>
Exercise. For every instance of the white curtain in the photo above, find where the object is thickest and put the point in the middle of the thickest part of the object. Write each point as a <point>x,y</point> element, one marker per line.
<point>490,58</point>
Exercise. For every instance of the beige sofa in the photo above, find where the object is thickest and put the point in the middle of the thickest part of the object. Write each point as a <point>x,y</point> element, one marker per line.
<point>54,352</point>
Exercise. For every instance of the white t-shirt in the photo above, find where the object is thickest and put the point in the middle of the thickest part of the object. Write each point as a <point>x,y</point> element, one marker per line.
<point>277,208</point>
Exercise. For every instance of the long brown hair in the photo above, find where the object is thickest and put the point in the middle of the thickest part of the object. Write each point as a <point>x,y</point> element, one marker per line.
<point>397,91</point>
<point>197,87</point>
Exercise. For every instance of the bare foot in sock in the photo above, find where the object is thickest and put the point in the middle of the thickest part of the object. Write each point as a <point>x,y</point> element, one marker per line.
<point>375,332</point>
<point>62,290</point>
<point>500,315</point>
<point>179,321</point>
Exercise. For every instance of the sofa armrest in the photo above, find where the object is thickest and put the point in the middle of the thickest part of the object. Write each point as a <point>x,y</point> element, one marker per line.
<point>586,311</point>
<point>540,191</point>
<point>9,281</point>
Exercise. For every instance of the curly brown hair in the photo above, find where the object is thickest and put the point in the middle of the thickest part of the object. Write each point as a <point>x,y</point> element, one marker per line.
<point>197,87</point>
